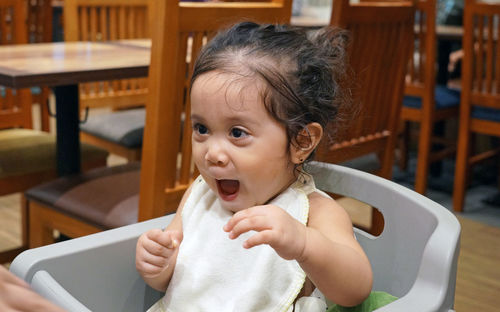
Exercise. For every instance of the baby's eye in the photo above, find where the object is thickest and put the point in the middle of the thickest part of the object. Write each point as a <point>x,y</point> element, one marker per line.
<point>199,128</point>
<point>238,133</point>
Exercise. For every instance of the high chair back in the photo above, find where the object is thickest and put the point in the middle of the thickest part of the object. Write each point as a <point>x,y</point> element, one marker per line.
<point>167,167</point>
<point>381,35</point>
<point>415,259</point>
<point>88,20</point>
<point>480,101</point>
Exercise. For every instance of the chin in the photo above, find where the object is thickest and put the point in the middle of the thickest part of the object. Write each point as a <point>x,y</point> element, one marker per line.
<point>233,207</point>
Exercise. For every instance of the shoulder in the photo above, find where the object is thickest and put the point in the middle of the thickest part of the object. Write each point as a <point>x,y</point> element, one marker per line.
<point>325,212</point>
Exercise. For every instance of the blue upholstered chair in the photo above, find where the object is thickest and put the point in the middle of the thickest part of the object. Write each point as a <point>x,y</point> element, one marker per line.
<point>425,102</point>
<point>480,101</point>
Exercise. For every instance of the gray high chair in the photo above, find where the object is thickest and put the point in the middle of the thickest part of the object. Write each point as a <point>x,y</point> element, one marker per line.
<point>415,258</point>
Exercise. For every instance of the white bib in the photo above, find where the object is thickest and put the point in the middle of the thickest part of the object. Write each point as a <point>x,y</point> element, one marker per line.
<point>215,273</point>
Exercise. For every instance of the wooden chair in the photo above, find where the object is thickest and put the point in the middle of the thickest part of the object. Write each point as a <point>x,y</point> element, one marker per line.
<point>480,100</point>
<point>9,34</point>
<point>87,20</point>
<point>381,34</point>
<point>167,169</point>
<point>39,27</point>
<point>425,102</point>
<point>27,156</point>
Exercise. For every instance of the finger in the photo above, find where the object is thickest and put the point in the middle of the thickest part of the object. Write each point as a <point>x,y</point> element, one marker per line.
<point>253,223</point>
<point>159,261</point>
<point>240,215</point>
<point>176,237</point>
<point>170,239</point>
<point>260,238</point>
<point>148,268</point>
<point>154,235</point>
<point>155,248</point>
<point>8,277</point>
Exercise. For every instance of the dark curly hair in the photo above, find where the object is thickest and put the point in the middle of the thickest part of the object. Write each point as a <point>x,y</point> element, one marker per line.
<point>302,70</point>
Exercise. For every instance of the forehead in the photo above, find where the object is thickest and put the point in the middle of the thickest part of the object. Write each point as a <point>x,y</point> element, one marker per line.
<point>237,92</point>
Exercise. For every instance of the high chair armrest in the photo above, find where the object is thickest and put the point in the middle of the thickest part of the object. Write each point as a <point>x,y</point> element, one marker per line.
<point>97,270</point>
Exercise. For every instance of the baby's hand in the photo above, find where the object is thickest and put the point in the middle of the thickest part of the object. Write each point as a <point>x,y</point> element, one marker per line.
<point>275,227</point>
<point>154,250</point>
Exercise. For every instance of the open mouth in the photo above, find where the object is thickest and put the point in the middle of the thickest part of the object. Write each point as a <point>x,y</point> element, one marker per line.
<point>228,189</point>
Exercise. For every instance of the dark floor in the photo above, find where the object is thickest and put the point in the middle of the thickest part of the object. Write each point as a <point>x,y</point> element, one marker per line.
<point>482,202</point>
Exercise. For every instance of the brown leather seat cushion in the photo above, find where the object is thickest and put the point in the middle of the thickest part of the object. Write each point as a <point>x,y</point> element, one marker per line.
<point>104,197</point>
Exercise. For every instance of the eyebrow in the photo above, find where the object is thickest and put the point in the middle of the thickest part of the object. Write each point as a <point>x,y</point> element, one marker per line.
<point>233,119</point>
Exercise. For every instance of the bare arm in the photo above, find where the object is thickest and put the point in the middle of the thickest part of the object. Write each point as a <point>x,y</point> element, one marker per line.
<point>332,258</point>
<point>156,252</point>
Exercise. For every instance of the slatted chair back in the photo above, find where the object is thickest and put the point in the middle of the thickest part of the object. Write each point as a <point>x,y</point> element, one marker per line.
<point>12,22</point>
<point>39,20</point>
<point>167,166</point>
<point>426,102</point>
<point>421,68</point>
<point>381,34</point>
<point>15,105</point>
<point>90,20</point>
<point>480,98</point>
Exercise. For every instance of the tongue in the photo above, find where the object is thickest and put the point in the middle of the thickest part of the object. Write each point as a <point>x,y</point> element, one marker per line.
<point>229,187</point>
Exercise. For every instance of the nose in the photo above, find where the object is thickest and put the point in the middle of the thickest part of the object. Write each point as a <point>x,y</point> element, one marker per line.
<point>216,154</point>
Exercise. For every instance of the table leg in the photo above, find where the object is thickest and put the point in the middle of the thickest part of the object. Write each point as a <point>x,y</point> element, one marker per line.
<point>68,129</point>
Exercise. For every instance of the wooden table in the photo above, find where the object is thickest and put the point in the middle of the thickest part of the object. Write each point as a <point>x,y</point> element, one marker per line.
<point>63,66</point>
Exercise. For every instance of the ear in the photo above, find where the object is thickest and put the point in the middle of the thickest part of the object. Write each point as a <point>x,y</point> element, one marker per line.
<point>305,142</point>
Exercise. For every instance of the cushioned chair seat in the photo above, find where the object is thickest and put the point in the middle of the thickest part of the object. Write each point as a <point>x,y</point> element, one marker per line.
<point>82,195</point>
<point>486,113</point>
<point>443,97</point>
<point>124,127</point>
<point>24,151</point>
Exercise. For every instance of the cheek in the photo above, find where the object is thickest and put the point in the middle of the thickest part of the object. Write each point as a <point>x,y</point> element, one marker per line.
<point>197,150</point>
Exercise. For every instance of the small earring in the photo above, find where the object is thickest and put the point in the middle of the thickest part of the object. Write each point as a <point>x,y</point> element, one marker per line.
<point>301,159</point>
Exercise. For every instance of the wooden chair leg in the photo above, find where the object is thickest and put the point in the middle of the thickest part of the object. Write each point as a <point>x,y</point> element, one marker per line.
<point>461,165</point>
<point>44,220</point>
<point>9,255</point>
<point>44,109</point>
<point>424,146</point>
<point>24,222</point>
<point>40,231</point>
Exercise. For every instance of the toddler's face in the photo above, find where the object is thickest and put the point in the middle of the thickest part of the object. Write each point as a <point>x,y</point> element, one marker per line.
<point>239,149</point>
